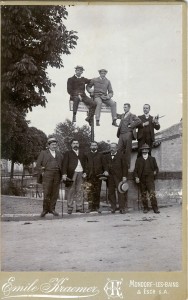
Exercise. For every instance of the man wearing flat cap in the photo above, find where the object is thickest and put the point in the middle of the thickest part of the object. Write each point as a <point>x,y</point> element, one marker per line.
<point>145,171</point>
<point>116,167</point>
<point>76,90</point>
<point>50,163</point>
<point>102,93</point>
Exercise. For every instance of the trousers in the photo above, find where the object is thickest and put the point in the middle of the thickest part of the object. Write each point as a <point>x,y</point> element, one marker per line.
<point>75,192</point>
<point>94,192</point>
<point>88,101</point>
<point>51,183</point>
<point>113,183</point>
<point>147,185</point>
<point>125,145</point>
<point>109,102</point>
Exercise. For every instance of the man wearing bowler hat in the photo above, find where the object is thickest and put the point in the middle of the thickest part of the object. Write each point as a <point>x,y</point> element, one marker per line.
<point>50,163</point>
<point>76,90</point>
<point>145,171</point>
<point>116,168</point>
<point>102,93</point>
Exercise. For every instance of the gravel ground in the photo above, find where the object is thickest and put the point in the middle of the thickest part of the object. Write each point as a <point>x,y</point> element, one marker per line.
<point>89,242</point>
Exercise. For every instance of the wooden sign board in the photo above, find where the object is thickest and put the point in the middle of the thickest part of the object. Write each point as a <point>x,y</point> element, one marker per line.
<point>83,107</point>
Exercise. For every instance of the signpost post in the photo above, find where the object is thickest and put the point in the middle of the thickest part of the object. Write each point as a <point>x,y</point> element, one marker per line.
<point>83,108</point>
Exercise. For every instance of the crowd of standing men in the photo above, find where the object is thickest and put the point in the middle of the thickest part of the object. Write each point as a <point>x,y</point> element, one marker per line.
<point>75,167</point>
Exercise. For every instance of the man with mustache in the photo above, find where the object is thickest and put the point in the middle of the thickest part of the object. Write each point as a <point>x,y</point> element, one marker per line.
<point>146,129</point>
<point>126,131</point>
<point>73,168</point>
<point>94,166</point>
<point>145,171</point>
<point>116,168</point>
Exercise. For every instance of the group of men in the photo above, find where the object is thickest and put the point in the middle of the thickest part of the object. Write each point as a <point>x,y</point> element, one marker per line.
<point>75,168</point>
<point>100,90</point>
<point>102,93</point>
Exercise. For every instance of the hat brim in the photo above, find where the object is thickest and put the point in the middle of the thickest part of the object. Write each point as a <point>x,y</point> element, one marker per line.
<point>102,177</point>
<point>144,148</point>
<point>125,189</point>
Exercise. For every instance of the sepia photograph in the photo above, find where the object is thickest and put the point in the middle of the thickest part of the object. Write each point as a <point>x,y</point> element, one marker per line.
<point>93,150</point>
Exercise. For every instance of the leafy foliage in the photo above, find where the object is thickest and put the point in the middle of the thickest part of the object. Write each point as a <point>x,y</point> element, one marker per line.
<point>32,38</point>
<point>25,144</point>
<point>66,131</point>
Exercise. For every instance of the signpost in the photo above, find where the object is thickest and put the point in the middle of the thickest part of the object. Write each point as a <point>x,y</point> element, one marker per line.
<point>83,108</point>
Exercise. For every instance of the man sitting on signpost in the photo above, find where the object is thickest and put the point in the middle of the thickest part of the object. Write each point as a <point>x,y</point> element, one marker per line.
<point>102,93</point>
<point>76,90</point>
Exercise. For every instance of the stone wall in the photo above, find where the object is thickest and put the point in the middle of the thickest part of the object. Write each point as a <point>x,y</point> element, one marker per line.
<point>168,154</point>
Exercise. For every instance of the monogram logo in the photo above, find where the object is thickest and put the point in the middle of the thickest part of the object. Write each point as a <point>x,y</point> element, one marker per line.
<point>113,289</point>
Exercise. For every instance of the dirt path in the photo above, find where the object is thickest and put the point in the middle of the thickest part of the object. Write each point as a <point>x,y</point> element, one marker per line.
<point>93,242</point>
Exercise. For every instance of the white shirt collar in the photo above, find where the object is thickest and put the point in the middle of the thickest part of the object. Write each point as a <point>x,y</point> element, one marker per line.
<point>147,116</point>
<point>76,151</point>
<point>52,152</point>
<point>113,154</point>
<point>77,76</point>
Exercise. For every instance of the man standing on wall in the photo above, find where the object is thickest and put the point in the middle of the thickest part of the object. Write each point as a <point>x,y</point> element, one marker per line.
<point>126,130</point>
<point>146,129</point>
<point>76,90</point>
<point>50,163</point>
<point>145,171</point>
<point>73,168</point>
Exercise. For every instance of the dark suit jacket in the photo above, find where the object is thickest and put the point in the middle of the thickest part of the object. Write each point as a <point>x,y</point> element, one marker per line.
<point>45,156</point>
<point>117,166</point>
<point>151,125</point>
<point>76,86</point>
<point>70,163</point>
<point>131,120</point>
<point>139,166</point>
<point>94,163</point>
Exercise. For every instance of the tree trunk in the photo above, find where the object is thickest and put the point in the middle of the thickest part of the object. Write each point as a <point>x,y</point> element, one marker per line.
<point>12,169</point>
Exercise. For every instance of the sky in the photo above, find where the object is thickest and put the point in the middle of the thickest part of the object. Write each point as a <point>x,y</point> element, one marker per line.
<point>141,47</point>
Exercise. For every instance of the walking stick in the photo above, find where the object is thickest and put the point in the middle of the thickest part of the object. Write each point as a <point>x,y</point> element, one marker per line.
<point>83,194</point>
<point>107,196</point>
<point>139,202</point>
<point>83,199</point>
<point>62,202</point>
